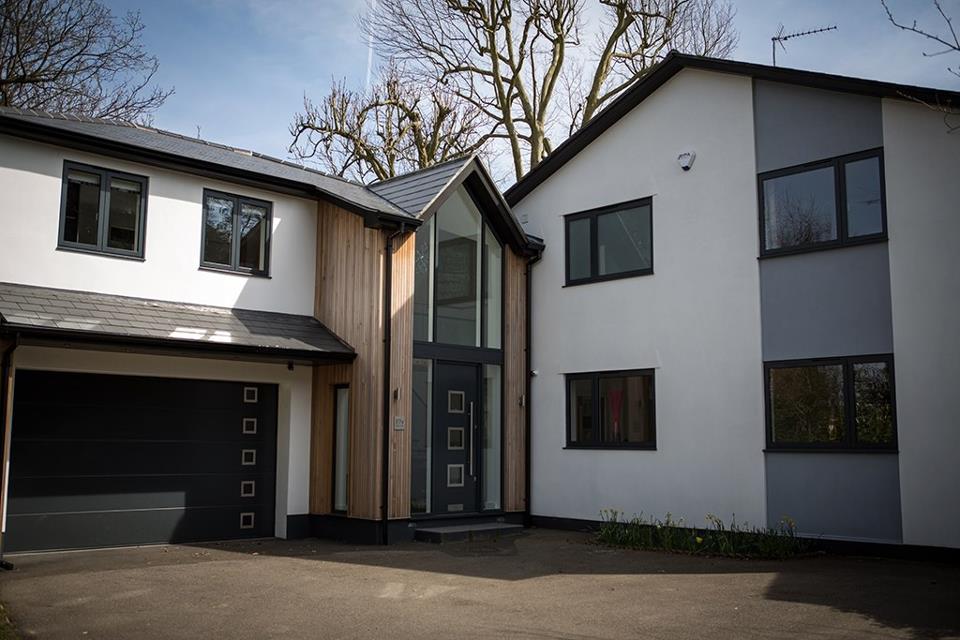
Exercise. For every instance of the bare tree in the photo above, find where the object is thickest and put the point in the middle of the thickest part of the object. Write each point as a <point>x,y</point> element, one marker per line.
<point>76,56</point>
<point>947,43</point>
<point>394,127</point>
<point>524,64</point>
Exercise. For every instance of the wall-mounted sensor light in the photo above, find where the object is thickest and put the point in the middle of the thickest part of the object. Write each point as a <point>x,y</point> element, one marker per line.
<point>686,159</point>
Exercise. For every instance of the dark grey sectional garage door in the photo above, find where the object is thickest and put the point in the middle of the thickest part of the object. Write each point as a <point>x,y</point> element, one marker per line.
<point>103,460</point>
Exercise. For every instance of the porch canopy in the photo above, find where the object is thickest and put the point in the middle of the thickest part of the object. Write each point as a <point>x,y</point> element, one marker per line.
<point>79,319</point>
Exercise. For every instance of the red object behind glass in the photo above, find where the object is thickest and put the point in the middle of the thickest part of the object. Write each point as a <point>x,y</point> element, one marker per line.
<point>615,398</point>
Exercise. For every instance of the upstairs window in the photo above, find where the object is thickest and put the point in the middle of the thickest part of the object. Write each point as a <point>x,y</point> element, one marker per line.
<point>236,233</point>
<point>102,211</point>
<point>610,242</point>
<point>840,403</point>
<point>822,205</point>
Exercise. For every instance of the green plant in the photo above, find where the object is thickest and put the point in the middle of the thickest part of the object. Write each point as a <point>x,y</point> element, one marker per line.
<point>718,539</point>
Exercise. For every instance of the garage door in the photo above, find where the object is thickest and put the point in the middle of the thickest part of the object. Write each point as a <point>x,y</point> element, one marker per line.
<point>103,460</point>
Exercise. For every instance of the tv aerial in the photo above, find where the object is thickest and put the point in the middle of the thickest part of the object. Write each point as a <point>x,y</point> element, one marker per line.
<point>782,37</point>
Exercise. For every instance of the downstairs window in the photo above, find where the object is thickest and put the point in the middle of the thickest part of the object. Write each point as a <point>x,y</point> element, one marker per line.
<point>612,410</point>
<point>824,404</point>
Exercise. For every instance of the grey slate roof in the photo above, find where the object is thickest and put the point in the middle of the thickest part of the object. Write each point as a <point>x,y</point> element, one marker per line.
<point>414,191</point>
<point>158,140</point>
<point>171,324</point>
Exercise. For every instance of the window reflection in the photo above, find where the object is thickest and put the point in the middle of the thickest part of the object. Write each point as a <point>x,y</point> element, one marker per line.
<point>800,209</point>
<point>458,276</point>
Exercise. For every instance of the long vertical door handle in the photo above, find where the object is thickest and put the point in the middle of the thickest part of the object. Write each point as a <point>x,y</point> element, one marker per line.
<point>473,426</point>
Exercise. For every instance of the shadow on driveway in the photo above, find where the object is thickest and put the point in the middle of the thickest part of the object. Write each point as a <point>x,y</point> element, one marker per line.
<point>540,584</point>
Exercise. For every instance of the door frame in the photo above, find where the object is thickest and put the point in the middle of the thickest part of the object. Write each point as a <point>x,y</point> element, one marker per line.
<point>477,356</point>
<point>334,390</point>
<point>435,441</point>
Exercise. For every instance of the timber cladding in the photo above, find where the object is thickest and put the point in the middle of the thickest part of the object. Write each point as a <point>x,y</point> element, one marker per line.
<point>401,375</point>
<point>515,383</point>
<point>349,301</point>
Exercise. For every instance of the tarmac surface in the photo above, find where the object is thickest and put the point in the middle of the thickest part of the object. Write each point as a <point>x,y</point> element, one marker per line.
<point>541,584</point>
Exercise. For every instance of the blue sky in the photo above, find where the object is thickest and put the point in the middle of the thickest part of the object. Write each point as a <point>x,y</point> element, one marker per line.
<point>241,67</point>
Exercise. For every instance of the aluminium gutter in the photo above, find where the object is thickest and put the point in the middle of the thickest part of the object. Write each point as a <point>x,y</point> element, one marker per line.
<point>33,334</point>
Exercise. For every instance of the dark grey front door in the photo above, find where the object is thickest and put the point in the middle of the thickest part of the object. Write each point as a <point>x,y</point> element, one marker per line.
<point>108,460</point>
<point>456,421</point>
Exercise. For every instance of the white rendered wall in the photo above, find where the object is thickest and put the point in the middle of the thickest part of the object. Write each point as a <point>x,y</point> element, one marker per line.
<point>923,216</point>
<point>293,403</point>
<point>696,320</point>
<point>30,188</point>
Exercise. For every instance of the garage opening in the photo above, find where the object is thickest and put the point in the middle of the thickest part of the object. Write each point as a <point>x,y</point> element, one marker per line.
<point>107,460</point>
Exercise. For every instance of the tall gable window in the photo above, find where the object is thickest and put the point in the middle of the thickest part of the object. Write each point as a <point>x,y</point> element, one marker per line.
<point>458,277</point>
<point>236,233</point>
<point>102,211</point>
<point>610,242</point>
<point>825,204</point>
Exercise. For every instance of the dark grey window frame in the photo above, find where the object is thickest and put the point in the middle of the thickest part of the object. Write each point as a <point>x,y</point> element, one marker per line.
<point>840,193</point>
<point>430,348</point>
<point>849,443</point>
<point>594,377</point>
<point>103,223</point>
<point>593,215</point>
<point>234,266</point>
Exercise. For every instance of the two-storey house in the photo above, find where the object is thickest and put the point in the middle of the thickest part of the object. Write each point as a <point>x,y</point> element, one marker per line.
<point>203,343</point>
<point>743,304</point>
<point>748,307</point>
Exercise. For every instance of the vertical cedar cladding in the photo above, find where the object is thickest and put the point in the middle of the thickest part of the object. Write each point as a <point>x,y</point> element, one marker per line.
<point>349,301</point>
<point>515,382</point>
<point>401,374</point>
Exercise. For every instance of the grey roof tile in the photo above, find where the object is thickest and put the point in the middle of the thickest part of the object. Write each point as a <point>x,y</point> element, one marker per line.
<point>414,191</point>
<point>172,323</point>
<point>77,325</point>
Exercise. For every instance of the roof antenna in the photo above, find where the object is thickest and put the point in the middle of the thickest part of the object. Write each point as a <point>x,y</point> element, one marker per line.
<point>781,37</point>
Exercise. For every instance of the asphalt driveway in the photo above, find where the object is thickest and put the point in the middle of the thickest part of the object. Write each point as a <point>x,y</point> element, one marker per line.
<point>543,584</point>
